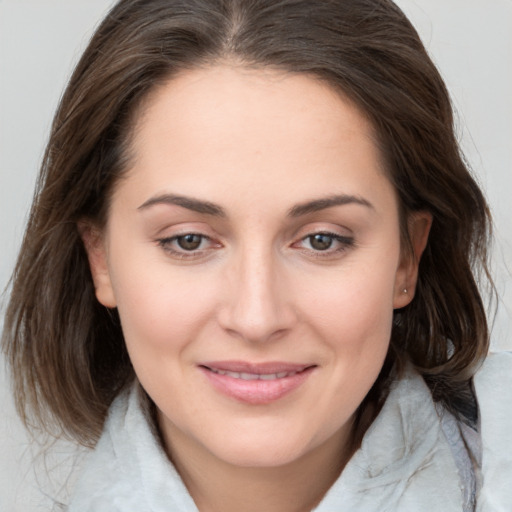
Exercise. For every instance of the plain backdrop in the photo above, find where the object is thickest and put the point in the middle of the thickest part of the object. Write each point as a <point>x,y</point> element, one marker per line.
<point>41,40</point>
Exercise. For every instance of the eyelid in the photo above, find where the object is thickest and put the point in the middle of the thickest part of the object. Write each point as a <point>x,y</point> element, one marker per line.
<point>336,236</point>
<point>166,242</point>
<point>343,242</point>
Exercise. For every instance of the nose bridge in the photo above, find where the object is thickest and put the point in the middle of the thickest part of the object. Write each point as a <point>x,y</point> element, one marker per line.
<point>257,308</point>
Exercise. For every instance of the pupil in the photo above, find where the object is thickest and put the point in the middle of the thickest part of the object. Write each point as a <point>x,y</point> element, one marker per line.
<point>189,242</point>
<point>320,242</point>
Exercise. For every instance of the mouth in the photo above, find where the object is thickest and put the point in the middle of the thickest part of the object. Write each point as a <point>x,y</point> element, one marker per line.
<point>254,376</point>
<point>256,384</point>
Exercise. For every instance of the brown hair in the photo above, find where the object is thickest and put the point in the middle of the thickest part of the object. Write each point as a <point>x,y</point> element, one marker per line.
<point>67,352</point>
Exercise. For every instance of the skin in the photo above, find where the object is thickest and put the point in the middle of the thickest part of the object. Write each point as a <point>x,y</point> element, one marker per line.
<point>257,144</point>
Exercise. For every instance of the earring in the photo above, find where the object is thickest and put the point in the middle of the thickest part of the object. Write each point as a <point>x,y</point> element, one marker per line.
<point>405,290</point>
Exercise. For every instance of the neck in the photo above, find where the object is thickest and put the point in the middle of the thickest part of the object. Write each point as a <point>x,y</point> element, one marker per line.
<point>218,486</point>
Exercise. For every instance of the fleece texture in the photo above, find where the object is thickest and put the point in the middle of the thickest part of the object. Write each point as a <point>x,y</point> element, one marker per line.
<point>405,463</point>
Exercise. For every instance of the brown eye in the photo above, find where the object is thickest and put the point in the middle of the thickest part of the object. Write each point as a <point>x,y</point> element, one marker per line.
<point>320,241</point>
<point>189,242</point>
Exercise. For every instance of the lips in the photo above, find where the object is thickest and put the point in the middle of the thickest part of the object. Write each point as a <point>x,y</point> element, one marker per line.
<point>256,384</point>
<point>254,376</point>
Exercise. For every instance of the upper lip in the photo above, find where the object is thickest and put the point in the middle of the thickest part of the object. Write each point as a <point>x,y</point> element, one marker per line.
<point>269,367</point>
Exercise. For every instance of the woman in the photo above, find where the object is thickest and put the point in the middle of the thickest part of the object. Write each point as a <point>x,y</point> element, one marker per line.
<point>254,250</point>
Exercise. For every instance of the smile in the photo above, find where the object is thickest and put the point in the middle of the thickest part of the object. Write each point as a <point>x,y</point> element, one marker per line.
<point>254,376</point>
<point>256,384</point>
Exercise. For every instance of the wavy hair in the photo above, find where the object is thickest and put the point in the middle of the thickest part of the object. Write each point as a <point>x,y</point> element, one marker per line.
<point>66,351</point>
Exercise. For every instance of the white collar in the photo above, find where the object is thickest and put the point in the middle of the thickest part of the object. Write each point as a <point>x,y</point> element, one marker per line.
<point>404,464</point>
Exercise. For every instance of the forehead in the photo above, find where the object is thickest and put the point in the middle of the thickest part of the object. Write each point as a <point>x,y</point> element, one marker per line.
<point>256,130</point>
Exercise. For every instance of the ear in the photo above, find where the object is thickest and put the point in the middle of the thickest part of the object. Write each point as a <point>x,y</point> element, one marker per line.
<point>418,225</point>
<point>95,246</point>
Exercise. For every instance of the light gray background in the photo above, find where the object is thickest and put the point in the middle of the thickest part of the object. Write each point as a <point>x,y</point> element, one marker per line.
<point>40,40</point>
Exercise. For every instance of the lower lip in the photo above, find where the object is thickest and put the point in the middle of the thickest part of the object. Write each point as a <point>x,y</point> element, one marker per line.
<point>256,392</point>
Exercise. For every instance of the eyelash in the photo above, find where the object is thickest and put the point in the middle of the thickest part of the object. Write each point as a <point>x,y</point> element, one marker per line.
<point>166,244</point>
<point>344,244</point>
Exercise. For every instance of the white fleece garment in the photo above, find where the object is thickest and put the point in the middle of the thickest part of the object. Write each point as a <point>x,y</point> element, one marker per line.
<point>405,463</point>
<point>493,385</point>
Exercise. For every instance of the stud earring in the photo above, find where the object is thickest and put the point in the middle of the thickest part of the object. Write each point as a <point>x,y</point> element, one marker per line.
<point>405,291</point>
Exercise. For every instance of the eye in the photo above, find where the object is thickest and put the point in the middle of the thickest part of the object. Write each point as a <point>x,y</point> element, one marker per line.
<point>325,243</point>
<point>321,241</point>
<point>189,242</point>
<point>187,245</point>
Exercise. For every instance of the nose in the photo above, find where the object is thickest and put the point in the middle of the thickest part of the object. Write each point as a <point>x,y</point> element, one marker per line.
<point>257,306</point>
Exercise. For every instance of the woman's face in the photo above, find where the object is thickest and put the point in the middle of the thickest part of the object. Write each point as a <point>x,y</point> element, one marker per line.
<point>253,253</point>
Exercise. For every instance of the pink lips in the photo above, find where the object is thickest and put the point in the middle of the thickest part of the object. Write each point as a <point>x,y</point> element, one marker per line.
<point>255,384</point>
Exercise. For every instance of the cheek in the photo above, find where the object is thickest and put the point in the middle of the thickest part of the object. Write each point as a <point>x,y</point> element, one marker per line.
<point>161,308</point>
<point>354,305</point>
<point>353,317</point>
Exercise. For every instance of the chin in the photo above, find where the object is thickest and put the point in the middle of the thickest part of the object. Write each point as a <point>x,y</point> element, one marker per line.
<point>262,449</point>
<point>256,456</point>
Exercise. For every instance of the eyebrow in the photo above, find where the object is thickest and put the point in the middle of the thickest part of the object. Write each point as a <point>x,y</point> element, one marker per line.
<point>208,208</point>
<point>327,202</point>
<point>196,205</point>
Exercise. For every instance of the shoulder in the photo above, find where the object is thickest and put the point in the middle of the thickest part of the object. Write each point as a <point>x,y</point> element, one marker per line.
<point>106,477</point>
<point>129,470</point>
<point>493,387</point>
<point>496,361</point>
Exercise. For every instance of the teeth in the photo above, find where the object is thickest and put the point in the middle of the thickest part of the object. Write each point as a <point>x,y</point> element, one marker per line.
<point>253,376</point>
<point>269,376</point>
